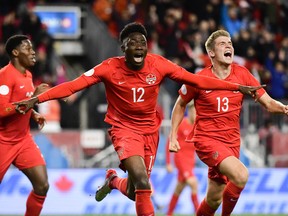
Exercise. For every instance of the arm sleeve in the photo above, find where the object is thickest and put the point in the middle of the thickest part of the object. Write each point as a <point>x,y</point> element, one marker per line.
<point>204,82</point>
<point>64,90</point>
<point>7,109</point>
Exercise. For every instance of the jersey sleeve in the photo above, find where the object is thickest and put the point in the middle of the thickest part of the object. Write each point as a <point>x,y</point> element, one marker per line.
<point>187,92</point>
<point>179,74</point>
<point>68,88</point>
<point>6,86</point>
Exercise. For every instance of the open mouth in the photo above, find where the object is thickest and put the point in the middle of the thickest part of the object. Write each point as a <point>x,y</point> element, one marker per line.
<point>228,54</point>
<point>33,59</point>
<point>138,58</point>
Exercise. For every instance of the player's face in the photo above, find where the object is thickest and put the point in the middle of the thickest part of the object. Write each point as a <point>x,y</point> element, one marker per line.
<point>135,49</point>
<point>26,54</point>
<point>223,50</point>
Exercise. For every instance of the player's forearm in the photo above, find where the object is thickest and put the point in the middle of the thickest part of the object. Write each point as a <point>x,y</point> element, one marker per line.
<point>275,106</point>
<point>204,82</point>
<point>63,90</point>
<point>176,119</point>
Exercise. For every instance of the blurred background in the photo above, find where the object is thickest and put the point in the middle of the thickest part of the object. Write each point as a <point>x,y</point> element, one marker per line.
<point>71,37</point>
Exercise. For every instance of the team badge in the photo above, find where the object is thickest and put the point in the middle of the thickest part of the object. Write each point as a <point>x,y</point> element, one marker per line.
<point>215,155</point>
<point>151,79</point>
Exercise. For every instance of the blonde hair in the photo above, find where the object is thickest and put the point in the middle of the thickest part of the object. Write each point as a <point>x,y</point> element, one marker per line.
<point>210,42</point>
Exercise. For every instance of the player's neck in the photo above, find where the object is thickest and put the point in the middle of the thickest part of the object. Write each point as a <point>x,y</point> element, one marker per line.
<point>221,71</point>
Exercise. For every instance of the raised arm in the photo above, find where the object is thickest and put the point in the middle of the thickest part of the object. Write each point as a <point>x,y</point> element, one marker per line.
<point>272,105</point>
<point>60,91</point>
<point>204,82</point>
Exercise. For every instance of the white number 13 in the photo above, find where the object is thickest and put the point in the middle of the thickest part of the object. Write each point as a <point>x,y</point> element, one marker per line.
<point>223,104</point>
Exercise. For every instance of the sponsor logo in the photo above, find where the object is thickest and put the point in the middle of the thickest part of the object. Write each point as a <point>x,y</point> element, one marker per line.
<point>120,83</point>
<point>208,91</point>
<point>22,86</point>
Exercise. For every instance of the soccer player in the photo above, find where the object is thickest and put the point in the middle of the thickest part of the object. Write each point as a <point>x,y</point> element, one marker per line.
<point>184,161</point>
<point>216,134</point>
<point>16,144</point>
<point>132,84</point>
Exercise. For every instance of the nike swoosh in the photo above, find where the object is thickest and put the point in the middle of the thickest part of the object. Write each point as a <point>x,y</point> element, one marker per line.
<point>22,86</point>
<point>120,83</point>
<point>233,200</point>
<point>235,92</point>
<point>208,91</point>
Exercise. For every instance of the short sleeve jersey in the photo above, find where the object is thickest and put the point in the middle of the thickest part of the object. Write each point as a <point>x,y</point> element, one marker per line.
<point>14,86</point>
<point>132,95</point>
<point>218,111</point>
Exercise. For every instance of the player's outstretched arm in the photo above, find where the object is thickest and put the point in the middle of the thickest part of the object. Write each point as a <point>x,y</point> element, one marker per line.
<point>210,83</point>
<point>272,105</point>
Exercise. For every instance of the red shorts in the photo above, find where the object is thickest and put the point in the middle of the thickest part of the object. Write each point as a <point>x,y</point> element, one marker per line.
<point>212,153</point>
<point>127,143</point>
<point>25,154</point>
<point>185,167</point>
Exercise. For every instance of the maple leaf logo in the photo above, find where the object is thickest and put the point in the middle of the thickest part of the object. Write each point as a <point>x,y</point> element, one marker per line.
<point>63,184</point>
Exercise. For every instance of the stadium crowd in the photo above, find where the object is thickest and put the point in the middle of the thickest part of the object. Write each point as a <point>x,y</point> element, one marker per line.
<point>178,29</point>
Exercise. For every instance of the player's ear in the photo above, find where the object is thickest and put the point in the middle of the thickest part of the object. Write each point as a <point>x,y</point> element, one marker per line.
<point>123,48</point>
<point>15,52</point>
<point>211,54</point>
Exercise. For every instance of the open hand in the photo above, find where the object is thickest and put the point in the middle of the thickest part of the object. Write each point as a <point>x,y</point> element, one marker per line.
<point>25,105</point>
<point>250,90</point>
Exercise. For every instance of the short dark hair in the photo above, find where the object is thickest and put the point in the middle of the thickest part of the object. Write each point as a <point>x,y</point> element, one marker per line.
<point>131,28</point>
<point>13,42</point>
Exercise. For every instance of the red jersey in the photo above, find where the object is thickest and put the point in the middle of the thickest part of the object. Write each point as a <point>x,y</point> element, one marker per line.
<point>218,112</point>
<point>132,95</point>
<point>14,86</point>
<point>186,155</point>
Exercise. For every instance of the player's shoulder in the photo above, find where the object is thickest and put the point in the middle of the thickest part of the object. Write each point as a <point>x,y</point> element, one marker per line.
<point>154,58</point>
<point>4,69</point>
<point>239,68</point>
<point>28,74</point>
<point>204,71</point>
<point>114,61</point>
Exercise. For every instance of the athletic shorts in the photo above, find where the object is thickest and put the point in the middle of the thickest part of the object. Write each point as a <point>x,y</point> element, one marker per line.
<point>212,153</point>
<point>23,155</point>
<point>185,168</point>
<point>127,143</point>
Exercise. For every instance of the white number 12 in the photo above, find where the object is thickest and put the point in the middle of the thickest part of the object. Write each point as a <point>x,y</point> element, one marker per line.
<point>138,94</point>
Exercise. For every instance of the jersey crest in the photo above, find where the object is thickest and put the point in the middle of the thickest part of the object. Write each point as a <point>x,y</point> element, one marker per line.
<point>151,79</point>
